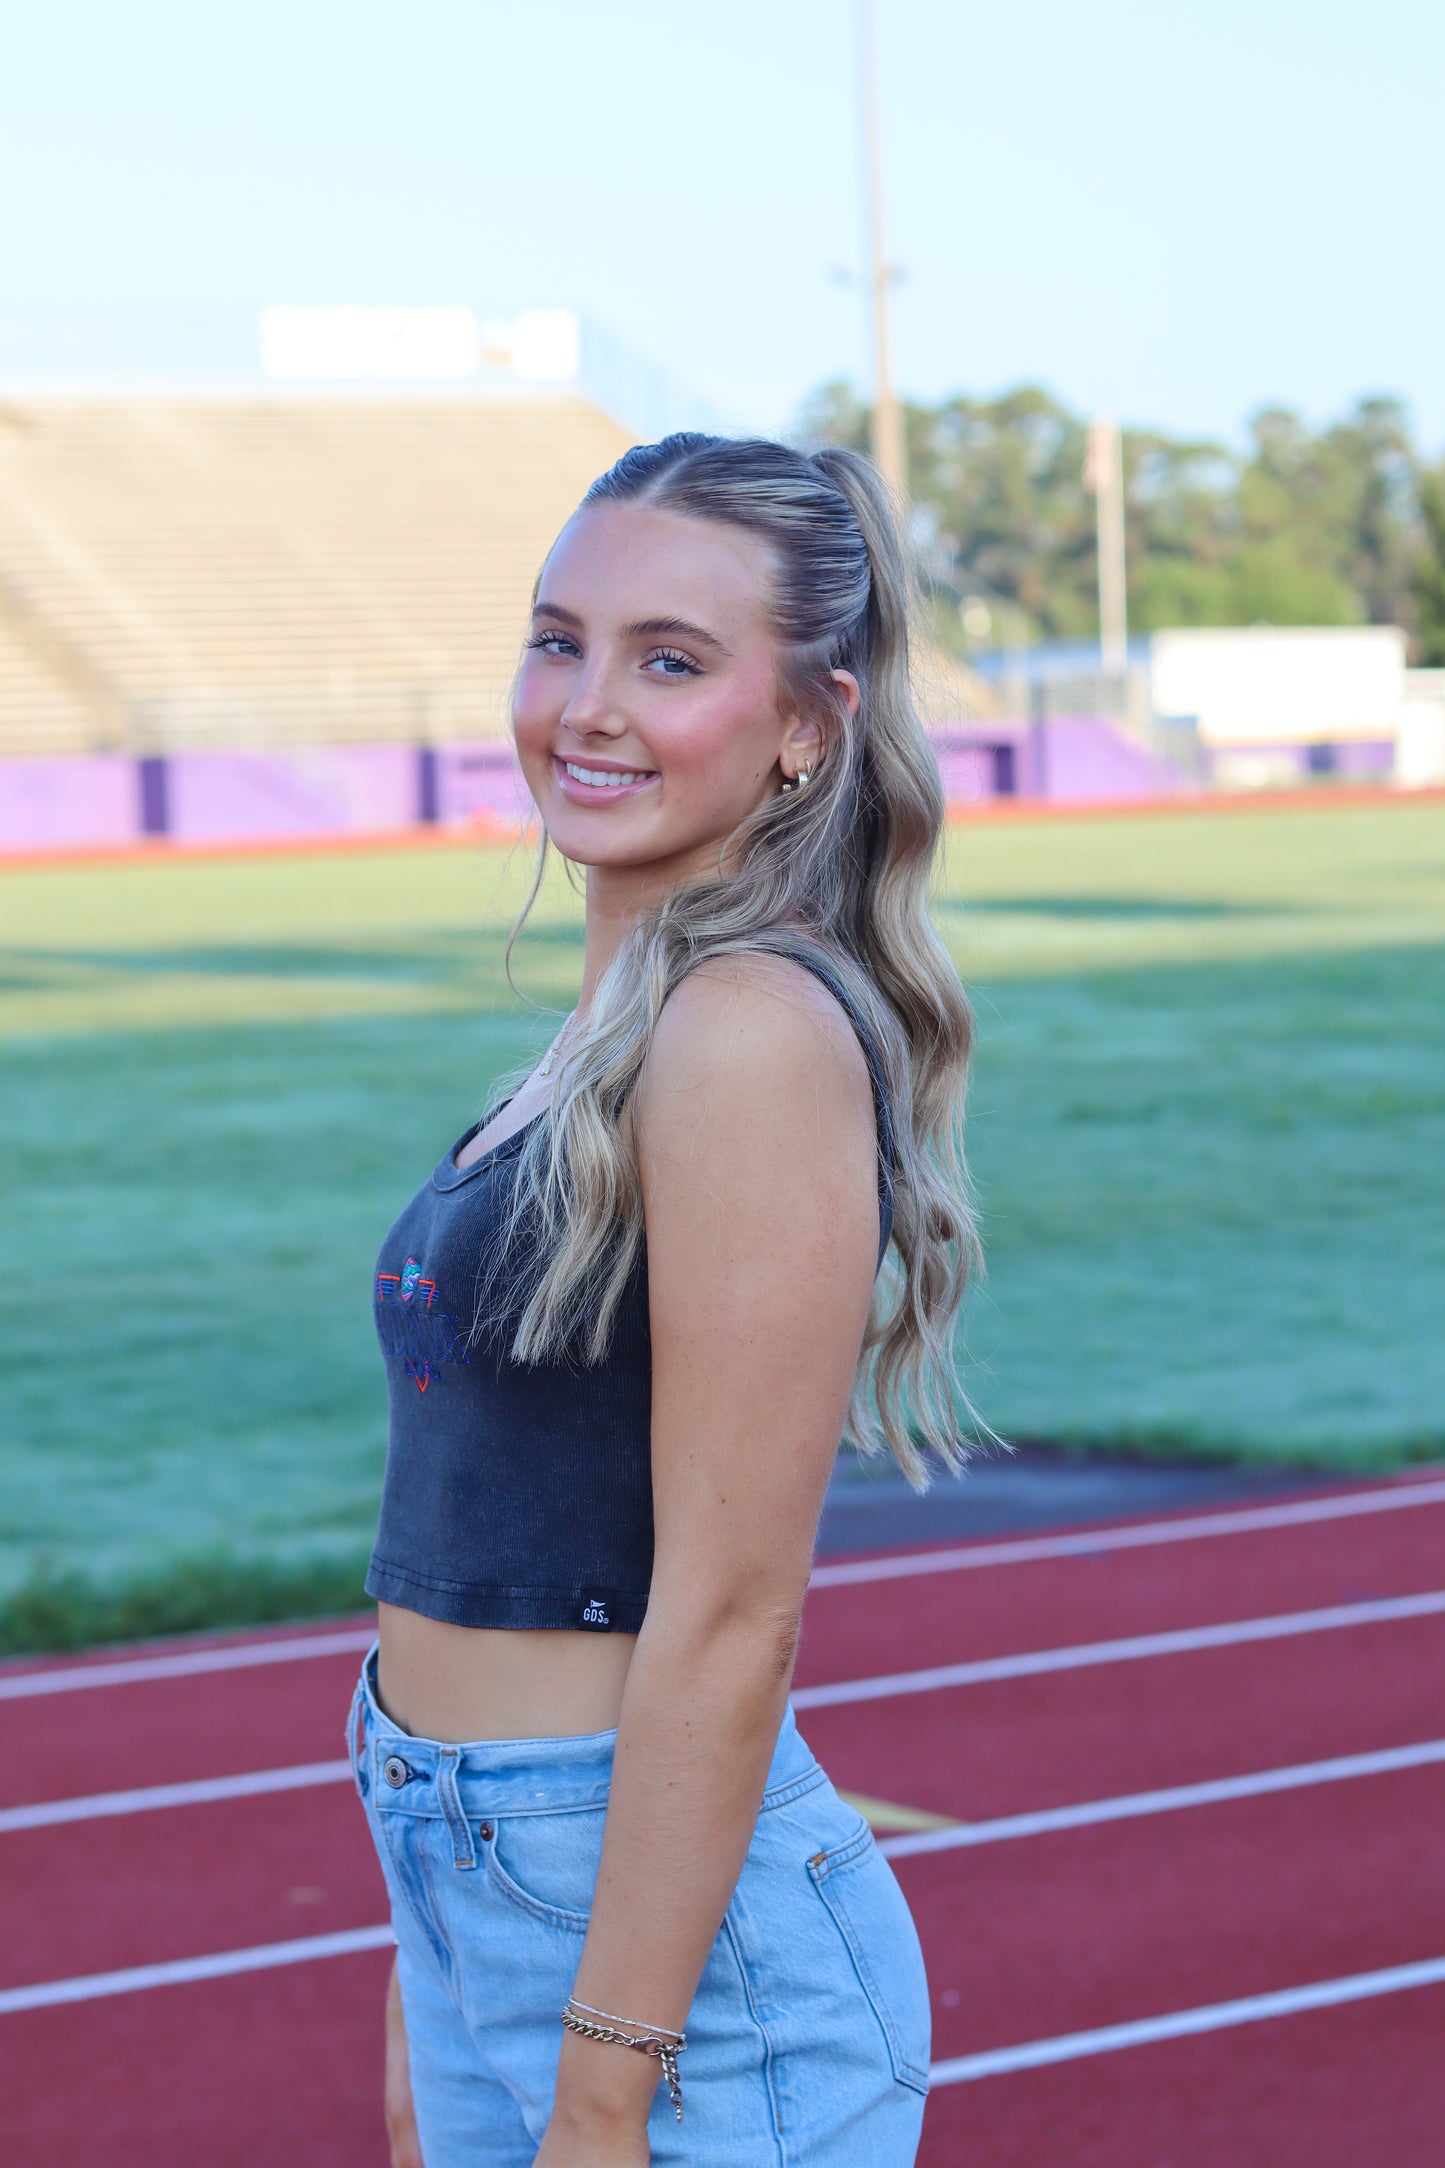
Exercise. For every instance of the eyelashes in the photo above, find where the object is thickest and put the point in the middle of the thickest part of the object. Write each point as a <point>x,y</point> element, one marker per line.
<point>678,664</point>
<point>674,655</point>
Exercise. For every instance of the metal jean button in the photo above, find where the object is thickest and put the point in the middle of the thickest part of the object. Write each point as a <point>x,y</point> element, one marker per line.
<point>395,1771</point>
<point>486,1832</point>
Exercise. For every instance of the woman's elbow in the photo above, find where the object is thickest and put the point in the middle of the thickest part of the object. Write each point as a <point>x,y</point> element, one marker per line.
<point>747,1636</point>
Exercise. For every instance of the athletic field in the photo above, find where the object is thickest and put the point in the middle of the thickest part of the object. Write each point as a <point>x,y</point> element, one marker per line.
<point>1208,1128</point>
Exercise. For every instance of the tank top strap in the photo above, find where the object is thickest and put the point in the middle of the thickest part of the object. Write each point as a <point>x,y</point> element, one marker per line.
<point>877,1076</point>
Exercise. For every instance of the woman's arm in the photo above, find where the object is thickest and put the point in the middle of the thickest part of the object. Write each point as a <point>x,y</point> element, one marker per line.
<point>758,1158</point>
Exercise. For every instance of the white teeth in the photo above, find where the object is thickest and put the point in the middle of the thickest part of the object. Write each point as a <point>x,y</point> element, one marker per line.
<point>603,778</point>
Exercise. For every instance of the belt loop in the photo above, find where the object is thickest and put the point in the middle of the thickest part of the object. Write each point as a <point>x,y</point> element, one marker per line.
<point>356,1737</point>
<point>463,1850</point>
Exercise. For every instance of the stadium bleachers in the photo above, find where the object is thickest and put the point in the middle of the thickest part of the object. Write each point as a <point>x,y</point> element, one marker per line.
<point>190,570</point>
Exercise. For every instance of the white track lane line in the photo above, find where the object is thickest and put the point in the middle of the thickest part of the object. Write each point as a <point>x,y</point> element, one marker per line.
<point>150,1798</point>
<point>74,1678</point>
<point>1030,2055</point>
<point>1179,2024</point>
<point>1138,1535</point>
<point>89,1988</point>
<point>1184,1642</point>
<point>92,1986</point>
<point>184,1664</point>
<point>155,1798</point>
<point>1129,1806</point>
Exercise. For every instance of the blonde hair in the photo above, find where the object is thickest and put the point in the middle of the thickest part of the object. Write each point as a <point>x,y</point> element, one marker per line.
<point>841,867</point>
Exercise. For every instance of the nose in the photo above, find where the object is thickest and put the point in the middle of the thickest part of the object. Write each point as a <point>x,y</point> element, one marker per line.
<point>593,710</point>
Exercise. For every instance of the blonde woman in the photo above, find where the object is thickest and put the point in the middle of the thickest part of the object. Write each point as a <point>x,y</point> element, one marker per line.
<point>626,1322</point>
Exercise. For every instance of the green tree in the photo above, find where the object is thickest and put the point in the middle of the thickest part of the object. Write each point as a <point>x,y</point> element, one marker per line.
<point>1305,527</point>
<point>1327,520</point>
<point>1000,485</point>
<point>1181,530</point>
<point>1429,576</point>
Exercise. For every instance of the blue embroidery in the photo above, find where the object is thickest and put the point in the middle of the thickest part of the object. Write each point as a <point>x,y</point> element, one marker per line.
<point>426,1339</point>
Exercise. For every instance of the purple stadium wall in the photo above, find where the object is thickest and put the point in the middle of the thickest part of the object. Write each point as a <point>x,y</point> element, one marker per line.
<point>98,801</point>
<point>59,805</point>
<point>103,800</point>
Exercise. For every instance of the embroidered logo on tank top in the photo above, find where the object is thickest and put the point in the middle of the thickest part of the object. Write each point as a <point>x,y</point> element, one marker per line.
<point>595,1614</point>
<point>423,1337</point>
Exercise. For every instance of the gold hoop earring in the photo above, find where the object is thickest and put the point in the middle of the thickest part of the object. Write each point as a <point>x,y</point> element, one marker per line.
<point>802,777</point>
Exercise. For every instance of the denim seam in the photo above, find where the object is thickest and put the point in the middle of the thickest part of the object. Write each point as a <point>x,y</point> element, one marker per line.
<point>730,1929</point>
<point>842,1855</point>
<point>464,1852</point>
<point>356,1753</point>
<point>491,1812</point>
<point>428,1923</point>
<point>820,1871</point>
<point>783,1795</point>
<point>431,1928</point>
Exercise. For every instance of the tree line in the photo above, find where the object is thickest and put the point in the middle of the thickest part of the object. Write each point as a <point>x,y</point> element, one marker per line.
<point>1336,526</point>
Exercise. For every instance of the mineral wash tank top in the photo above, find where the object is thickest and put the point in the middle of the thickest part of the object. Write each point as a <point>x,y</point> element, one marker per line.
<point>520,1494</point>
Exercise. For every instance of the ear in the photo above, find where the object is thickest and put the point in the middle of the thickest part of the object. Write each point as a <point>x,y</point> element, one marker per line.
<point>805,741</point>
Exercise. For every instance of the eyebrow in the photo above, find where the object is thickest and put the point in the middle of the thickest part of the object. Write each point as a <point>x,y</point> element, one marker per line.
<point>642,628</point>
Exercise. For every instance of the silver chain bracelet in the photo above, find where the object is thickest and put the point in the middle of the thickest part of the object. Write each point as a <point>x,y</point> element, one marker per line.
<point>658,2040</point>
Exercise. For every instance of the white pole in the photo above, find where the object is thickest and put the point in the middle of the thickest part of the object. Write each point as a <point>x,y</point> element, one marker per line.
<point>1104,474</point>
<point>889,451</point>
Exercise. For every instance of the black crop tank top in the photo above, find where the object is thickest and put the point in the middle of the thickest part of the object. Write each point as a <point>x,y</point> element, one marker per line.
<point>520,1494</point>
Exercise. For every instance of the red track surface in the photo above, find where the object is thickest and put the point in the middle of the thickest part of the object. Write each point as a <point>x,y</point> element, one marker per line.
<point>1027,1940</point>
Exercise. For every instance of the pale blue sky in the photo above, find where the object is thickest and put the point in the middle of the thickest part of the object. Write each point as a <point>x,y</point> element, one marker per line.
<point>1186,210</point>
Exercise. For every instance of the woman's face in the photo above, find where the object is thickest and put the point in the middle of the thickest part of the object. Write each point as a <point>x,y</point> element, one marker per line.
<point>647,713</point>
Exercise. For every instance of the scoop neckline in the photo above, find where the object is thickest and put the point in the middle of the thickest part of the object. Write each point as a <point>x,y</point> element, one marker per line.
<point>448,1175</point>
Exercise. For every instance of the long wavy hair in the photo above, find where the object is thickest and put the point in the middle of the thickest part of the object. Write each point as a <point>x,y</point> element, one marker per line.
<point>841,866</point>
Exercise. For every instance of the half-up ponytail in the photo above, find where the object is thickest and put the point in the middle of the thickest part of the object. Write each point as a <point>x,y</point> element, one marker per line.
<point>844,865</point>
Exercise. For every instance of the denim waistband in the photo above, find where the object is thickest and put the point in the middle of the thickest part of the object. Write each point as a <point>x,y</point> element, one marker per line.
<point>401,1773</point>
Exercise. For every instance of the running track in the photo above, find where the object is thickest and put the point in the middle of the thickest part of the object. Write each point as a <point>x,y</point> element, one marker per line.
<point>1167,1798</point>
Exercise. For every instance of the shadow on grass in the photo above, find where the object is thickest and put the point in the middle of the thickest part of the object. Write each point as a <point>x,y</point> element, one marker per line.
<point>1121,908</point>
<point>463,951</point>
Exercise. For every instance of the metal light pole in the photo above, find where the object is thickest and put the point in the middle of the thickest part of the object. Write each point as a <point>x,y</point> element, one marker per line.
<point>889,451</point>
<point>1104,474</point>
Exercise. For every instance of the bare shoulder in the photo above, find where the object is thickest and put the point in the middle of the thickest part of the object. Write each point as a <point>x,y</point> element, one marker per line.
<point>757,1151</point>
<point>759,1037</point>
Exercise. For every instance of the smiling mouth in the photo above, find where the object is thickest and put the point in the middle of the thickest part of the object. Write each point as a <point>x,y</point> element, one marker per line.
<point>607,778</point>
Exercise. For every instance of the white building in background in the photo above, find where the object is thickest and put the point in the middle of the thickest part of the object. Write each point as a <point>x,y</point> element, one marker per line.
<point>1420,741</point>
<point>1276,703</point>
<point>419,346</point>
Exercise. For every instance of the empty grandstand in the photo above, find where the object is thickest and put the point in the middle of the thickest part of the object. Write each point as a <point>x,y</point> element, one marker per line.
<point>265,612</point>
<point>203,570</point>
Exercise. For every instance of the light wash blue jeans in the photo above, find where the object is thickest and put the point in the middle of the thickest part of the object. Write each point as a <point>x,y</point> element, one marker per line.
<point>808,2040</point>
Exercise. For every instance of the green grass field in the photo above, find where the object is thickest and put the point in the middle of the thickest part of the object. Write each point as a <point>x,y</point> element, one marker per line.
<point>1208,1133</point>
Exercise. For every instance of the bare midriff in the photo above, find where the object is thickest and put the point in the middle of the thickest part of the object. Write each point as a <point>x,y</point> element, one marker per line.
<point>464,1683</point>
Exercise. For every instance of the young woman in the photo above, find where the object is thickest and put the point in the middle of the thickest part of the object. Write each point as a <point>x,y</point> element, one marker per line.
<point>626,1322</point>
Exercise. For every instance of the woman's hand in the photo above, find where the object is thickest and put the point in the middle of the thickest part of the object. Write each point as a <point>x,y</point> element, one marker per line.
<point>400,2114</point>
<point>576,2147</point>
<point>600,2108</point>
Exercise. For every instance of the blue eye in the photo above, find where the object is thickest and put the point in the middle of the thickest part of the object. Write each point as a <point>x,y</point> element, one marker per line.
<point>554,643</point>
<point>675,663</point>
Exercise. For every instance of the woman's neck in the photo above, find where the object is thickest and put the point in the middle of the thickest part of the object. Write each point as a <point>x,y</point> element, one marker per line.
<point>616,898</point>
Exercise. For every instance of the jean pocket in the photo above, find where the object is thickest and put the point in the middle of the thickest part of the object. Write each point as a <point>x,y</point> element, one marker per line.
<point>870,1912</point>
<point>546,1865</point>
